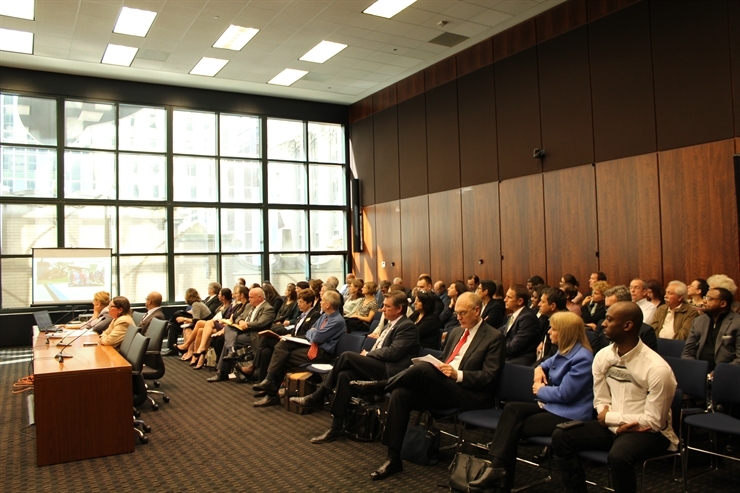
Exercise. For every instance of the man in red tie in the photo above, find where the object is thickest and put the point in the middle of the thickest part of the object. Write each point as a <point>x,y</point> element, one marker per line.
<point>467,377</point>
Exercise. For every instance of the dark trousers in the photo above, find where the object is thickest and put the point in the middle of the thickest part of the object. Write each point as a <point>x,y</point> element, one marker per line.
<point>233,339</point>
<point>173,328</point>
<point>625,451</point>
<point>349,366</point>
<point>288,354</point>
<point>263,355</point>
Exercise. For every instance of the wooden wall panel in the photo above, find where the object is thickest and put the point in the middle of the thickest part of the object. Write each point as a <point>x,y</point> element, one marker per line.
<point>734,17</point>
<point>514,39</point>
<point>698,208</point>
<point>443,141</point>
<point>440,73</point>
<point>361,158</point>
<point>411,86</point>
<point>560,19</point>
<point>481,231</point>
<point>565,100</point>
<point>517,114</point>
<point>629,219</point>
<point>445,236</point>
<point>361,109</point>
<point>570,224</point>
<point>477,56</point>
<point>385,98</point>
<point>364,263</point>
<point>693,91</point>
<point>622,84</point>
<point>599,8</point>
<point>412,147</point>
<point>522,229</point>
<point>477,118</point>
<point>385,131</point>
<point>388,240</point>
<point>415,238</point>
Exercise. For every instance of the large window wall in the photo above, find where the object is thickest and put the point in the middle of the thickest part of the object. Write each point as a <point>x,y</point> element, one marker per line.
<point>181,197</point>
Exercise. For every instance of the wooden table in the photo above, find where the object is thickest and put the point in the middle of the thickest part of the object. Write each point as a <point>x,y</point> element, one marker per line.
<point>83,406</point>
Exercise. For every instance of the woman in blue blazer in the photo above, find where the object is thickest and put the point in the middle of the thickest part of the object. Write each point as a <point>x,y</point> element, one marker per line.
<point>563,387</point>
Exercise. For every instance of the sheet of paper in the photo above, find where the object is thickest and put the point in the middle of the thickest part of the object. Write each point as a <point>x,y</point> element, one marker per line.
<point>322,366</point>
<point>296,339</point>
<point>429,359</point>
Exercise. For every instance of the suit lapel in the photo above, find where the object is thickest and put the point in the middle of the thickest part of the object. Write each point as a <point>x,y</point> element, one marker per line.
<point>722,330</point>
<point>479,335</point>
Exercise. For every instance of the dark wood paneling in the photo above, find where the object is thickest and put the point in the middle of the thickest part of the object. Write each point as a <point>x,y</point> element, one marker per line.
<point>385,124</point>
<point>477,56</point>
<point>522,229</point>
<point>440,73</point>
<point>698,211</point>
<point>361,109</point>
<point>560,19</point>
<point>514,40</point>
<point>411,86</point>
<point>600,8</point>
<point>734,16</point>
<point>565,100</point>
<point>385,98</point>
<point>415,238</point>
<point>361,158</point>
<point>477,116</point>
<point>629,219</point>
<point>622,84</point>
<point>364,263</point>
<point>445,236</point>
<point>481,231</point>
<point>443,142</point>
<point>517,114</point>
<point>693,92</point>
<point>570,224</point>
<point>412,147</point>
<point>388,240</point>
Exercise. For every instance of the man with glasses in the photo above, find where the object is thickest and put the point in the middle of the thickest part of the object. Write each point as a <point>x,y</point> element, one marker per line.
<point>715,335</point>
<point>424,284</point>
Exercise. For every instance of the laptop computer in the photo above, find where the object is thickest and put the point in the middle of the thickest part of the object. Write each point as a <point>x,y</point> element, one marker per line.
<point>43,321</point>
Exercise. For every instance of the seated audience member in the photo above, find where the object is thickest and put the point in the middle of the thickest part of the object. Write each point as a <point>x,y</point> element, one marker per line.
<point>323,337</point>
<point>593,309</point>
<point>272,297</point>
<point>472,283</point>
<point>521,330</point>
<point>696,291</point>
<point>473,359</point>
<point>638,291</point>
<point>598,339</point>
<point>241,282</point>
<point>493,311</point>
<point>563,386</point>
<point>552,301</point>
<point>355,297</point>
<point>120,310</point>
<point>594,277</point>
<point>448,318</point>
<point>722,281</point>
<point>571,293</point>
<point>101,319</point>
<point>715,334</point>
<point>316,285</point>
<point>425,284</point>
<point>571,279</point>
<point>383,287</point>
<point>398,281</point>
<point>532,282</point>
<point>344,289</point>
<point>359,320</point>
<point>289,309</point>
<point>382,322</point>
<point>198,342</point>
<point>633,392</point>
<point>390,354</point>
<point>534,297</point>
<point>655,293</point>
<point>212,301</point>
<point>153,305</point>
<point>440,288</point>
<point>427,325</point>
<point>216,328</point>
<point>673,319</point>
<point>198,311</point>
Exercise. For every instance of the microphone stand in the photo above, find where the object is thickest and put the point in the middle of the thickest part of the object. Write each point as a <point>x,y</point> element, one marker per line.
<point>60,356</point>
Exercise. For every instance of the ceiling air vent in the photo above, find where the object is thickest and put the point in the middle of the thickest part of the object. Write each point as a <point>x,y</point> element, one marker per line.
<point>448,39</point>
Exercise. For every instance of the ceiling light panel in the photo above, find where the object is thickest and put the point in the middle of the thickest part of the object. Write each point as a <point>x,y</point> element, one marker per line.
<point>134,22</point>
<point>387,8</point>
<point>287,77</point>
<point>119,55</point>
<point>322,52</point>
<point>208,66</point>
<point>22,9</point>
<point>17,41</point>
<point>235,37</point>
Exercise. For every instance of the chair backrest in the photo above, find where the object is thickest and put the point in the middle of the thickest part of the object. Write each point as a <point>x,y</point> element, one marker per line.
<point>136,353</point>
<point>515,383</point>
<point>691,375</point>
<point>127,340</point>
<point>423,351</point>
<point>138,317</point>
<point>368,344</point>
<point>670,347</point>
<point>725,382</point>
<point>676,409</point>
<point>156,332</point>
<point>349,342</point>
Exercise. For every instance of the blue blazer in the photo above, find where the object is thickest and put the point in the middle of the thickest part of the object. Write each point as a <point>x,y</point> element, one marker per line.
<point>569,392</point>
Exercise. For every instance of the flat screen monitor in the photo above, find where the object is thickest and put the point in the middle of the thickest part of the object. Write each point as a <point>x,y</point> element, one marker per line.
<point>70,276</point>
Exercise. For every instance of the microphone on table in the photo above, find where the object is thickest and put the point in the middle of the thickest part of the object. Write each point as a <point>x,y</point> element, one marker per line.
<point>60,356</point>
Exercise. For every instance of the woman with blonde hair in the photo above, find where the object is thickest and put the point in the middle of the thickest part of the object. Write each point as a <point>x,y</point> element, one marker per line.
<point>100,318</point>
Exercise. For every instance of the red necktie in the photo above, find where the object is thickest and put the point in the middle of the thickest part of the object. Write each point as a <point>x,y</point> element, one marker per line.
<point>460,344</point>
<point>313,350</point>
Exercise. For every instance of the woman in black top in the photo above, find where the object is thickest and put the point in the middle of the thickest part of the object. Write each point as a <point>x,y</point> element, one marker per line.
<point>427,324</point>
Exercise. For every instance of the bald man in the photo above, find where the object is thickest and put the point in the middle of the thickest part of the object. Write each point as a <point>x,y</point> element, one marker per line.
<point>153,310</point>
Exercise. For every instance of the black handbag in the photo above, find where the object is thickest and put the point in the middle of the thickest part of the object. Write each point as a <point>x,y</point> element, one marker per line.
<point>362,421</point>
<point>464,469</point>
<point>421,443</point>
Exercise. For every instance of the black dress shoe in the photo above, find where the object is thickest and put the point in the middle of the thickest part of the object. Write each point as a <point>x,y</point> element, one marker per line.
<point>260,393</point>
<point>218,377</point>
<point>489,482</point>
<point>541,456</point>
<point>240,378</point>
<point>309,402</point>
<point>266,401</point>
<point>266,385</point>
<point>231,355</point>
<point>328,436</point>
<point>369,386</point>
<point>386,469</point>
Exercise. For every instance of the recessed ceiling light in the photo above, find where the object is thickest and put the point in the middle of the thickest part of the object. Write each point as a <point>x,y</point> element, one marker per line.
<point>208,66</point>
<point>17,41</point>
<point>235,37</point>
<point>22,9</point>
<point>134,22</point>
<point>322,52</point>
<point>287,77</point>
<point>119,55</point>
<point>387,8</point>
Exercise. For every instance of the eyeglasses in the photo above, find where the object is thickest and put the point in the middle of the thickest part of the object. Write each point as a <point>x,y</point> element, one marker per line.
<point>709,298</point>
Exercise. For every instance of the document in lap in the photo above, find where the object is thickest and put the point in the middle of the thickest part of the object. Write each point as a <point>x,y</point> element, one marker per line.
<point>428,359</point>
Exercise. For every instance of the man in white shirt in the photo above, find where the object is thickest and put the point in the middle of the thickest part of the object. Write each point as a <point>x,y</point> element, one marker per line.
<point>633,391</point>
<point>344,289</point>
<point>638,291</point>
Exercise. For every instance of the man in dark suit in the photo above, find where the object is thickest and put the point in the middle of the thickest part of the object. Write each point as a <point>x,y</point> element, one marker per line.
<point>715,335</point>
<point>391,353</point>
<point>467,378</point>
<point>493,310</point>
<point>153,310</point>
<point>425,284</point>
<point>212,301</point>
<point>522,330</point>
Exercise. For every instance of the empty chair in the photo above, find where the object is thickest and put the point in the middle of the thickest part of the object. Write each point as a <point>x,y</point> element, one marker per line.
<point>670,347</point>
<point>127,340</point>
<point>153,361</point>
<point>135,357</point>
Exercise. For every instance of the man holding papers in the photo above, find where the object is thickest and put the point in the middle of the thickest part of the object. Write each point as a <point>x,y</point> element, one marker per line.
<point>391,353</point>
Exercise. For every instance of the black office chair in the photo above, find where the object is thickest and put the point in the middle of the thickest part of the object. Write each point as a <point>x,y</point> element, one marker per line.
<point>153,361</point>
<point>135,357</point>
<point>127,340</point>
<point>138,317</point>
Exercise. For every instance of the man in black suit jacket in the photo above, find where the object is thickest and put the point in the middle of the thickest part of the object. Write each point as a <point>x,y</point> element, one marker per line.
<point>715,335</point>
<point>391,353</point>
<point>212,301</point>
<point>522,330</point>
<point>472,362</point>
<point>153,310</point>
<point>425,284</point>
<point>493,310</point>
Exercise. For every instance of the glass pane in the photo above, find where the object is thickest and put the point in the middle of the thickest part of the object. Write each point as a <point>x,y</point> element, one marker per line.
<point>142,177</point>
<point>285,140</point>
<point>141,128</point>
<point>323,266</point>
<point>194,132</point>
<point>90,226</point>
<point>195,179</point>
<point>142,230</point>
<point>327,184</point>
<point>287,230</point>
<point>27,226</point>
<point>328,230</point>
<point>194,271</point>
<point>28,120</point>
<point>235,266</point>
<point>326,143</point>
<point>28,172</point>
<point>90,125</point>
<point>89,175</point>
<point>142,275</point>
<point>196,229</point>
<point>241,230</point>
<point>286,183</point>
<point>287,267</point>
<point>16,282</point>
<point>241,181</point>
<point>240,136</point>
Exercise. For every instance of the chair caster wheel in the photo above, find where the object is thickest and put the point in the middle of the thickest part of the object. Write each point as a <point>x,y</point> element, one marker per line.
<point>144,440</point>
<point>137,413</point>
<point>156,383</point>
<point>155,407</point>
<point>166,399</point>
<point>147,429</point>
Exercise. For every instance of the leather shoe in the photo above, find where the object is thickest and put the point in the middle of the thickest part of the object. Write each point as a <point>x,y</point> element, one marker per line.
<point>309,402</point>
<point>218,377</point>
<point>368,386</point>
<point>328,436</point>
<point>260,393</point>
<point>172,352</point>
<point>386,469</point>
<point>266,401</point>
<point>489,482</point>
<point>239,377</point>
<point>247,371</point>
<point>231,355</point>
<point>541,456</point>
<point>266,385</point>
